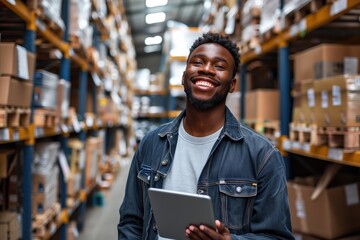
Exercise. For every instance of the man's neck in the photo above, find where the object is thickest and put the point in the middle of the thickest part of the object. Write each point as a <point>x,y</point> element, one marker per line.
<point>203,123</point>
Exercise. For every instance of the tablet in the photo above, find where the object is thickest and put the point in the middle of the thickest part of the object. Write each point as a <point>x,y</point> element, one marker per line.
<point>175,211</point>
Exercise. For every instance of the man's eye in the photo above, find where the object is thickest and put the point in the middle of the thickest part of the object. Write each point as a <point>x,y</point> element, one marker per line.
<point>219,66</point>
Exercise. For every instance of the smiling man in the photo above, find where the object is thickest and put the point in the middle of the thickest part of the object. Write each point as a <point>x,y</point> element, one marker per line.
<point>205,150</point>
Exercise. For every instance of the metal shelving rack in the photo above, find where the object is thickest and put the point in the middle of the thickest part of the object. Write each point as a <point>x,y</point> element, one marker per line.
<point>29,135</point>
<point>280,43</point>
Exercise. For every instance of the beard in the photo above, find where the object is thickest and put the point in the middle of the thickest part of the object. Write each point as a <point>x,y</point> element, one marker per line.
<point>203,105</point>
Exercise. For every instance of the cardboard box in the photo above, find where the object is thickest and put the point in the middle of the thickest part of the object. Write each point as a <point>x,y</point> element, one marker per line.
<point>338,101</point>
<point>16,61</point>
<point>10,89</point>
<point>43,183</point>
<point>326,60</point>
<point>334,213</point>
<point>43,201</point>
<point>262,104</point>
<point>9,226</point>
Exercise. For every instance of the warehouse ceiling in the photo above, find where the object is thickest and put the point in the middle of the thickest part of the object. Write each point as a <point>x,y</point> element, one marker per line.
<point>188,12</point>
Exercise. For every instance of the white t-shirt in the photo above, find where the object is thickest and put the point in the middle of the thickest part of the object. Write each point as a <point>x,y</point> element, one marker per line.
<point>190,157</point>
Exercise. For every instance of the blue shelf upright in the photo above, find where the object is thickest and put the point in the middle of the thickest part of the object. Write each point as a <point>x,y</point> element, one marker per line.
<point>65,75</point>
<point>28,149</point>
<point>82,137</point>
<point>285,98</point>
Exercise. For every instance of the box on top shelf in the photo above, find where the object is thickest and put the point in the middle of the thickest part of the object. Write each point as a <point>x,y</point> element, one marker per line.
<point>326,60</point>
<point>338,101</point>
<point>45,89</point>
<point>262,104</point>
<point>16,61</point>
<point>334,213</point>
<point>10,89</point>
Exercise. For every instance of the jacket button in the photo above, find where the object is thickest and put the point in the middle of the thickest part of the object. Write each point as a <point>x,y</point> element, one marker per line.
<point>157,177</point>
<point>154,227</point>
<point>239,189</point>
<point>164,162</point>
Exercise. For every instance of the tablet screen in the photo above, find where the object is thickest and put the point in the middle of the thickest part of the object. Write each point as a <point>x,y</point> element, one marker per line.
<point>175,211</point>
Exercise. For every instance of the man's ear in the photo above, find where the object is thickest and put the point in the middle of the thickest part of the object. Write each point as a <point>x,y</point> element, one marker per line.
<point>233,85</point>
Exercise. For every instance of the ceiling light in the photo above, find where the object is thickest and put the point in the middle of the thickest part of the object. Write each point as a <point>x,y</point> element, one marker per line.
<point>152,48</point>
<point>153,40</point>
<point>155,3</point>
<point>155,17</point>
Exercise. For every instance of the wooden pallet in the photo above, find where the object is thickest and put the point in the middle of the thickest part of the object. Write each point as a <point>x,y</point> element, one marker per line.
<point>45,118</point>
<point>269,128</point>
<point>347,138</point>
<point>45,224</point>
<point>272,128</point>
<point>14,116</point>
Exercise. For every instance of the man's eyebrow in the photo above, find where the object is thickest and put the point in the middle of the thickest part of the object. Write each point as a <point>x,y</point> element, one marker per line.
<point>217,58</point>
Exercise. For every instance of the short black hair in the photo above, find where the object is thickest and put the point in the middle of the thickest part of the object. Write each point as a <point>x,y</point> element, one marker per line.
<point>223,41</point>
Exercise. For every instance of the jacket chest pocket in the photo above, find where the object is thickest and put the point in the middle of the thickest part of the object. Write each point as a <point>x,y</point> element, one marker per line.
<point>236,204</point>
<point>149,176</point>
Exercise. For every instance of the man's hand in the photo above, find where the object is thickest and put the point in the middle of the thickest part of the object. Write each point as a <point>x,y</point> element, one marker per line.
<point>203,232</point>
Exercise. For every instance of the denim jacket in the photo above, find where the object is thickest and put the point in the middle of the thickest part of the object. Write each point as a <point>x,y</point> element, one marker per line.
<point>244,176</point>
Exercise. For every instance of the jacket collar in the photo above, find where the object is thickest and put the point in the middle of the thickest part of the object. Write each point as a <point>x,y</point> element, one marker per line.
<point>232,127</point>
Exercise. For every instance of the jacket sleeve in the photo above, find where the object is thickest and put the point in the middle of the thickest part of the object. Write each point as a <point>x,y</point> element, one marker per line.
<point>271,215</point>
<point>131,211</point>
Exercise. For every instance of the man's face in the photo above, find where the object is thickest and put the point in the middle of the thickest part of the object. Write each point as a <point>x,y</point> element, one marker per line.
<point>208,78</point>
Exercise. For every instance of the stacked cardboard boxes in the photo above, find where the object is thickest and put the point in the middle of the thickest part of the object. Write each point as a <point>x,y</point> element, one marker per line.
<point>325,80</point>
<point>16,75</point>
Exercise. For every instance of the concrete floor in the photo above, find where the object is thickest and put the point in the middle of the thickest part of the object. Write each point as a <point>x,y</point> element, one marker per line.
<point>101,222</point>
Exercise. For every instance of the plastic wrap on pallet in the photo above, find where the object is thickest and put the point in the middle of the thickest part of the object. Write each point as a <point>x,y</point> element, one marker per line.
<point>45,156</point>
<point>100,7</point>
<point>293,5</point>
<point>249,32</point>
<point>269,15</point>
<point>45,92</point>
<point>251,9</point>
<point>52,10</point>
<point>79,16</point>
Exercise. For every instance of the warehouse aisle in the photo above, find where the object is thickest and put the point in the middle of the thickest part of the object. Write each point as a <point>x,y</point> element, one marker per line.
<point>101,221</point>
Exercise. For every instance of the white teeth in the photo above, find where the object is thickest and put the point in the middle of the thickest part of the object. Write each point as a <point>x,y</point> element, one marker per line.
<point>204,83</point>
